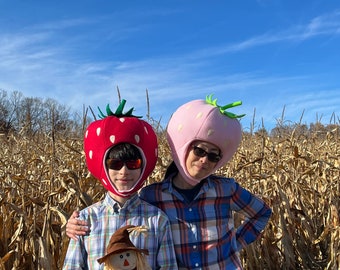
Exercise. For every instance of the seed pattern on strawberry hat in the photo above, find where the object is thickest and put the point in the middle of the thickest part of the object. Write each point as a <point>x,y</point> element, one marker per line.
<point>112,129</point>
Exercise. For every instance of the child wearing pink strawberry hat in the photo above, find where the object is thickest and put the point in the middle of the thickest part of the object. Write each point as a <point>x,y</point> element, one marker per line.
<point>203,137</point>
<point>120,151</point>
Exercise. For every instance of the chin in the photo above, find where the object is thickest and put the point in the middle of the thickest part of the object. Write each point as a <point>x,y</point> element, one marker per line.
<point>125,188</point>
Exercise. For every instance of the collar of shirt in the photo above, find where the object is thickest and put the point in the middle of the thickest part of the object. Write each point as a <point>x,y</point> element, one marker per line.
<point>167,185</point>
<point>131,204</point>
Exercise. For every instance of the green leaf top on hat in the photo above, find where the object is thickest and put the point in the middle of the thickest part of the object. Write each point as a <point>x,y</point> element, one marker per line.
<point>223,109</point>
<point>118,112</point>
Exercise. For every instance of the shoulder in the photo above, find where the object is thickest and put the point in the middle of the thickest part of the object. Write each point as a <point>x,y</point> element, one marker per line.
<point>94,206</point>
<point>220,180</point>
<point>93,209</point>
<point>151,189</point>
<point>222,185</point>
<point>147,206</point>
<point>154,193</point>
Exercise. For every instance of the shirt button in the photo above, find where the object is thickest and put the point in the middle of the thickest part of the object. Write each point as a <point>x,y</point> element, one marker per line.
<point>194,247</point>
<point>196,264</point>
<point>190,209</point>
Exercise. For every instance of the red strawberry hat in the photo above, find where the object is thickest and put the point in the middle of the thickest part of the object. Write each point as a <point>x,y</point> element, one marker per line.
<point>115,128</point>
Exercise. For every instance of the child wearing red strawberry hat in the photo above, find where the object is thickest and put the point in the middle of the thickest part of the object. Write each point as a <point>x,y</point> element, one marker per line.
<point>121,152</point>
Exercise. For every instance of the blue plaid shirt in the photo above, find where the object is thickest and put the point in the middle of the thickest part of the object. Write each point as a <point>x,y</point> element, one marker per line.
<point>106,217</point>
<point>203,229</point>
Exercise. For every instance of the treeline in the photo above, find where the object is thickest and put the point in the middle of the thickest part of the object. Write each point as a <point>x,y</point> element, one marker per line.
<point>34,115</point>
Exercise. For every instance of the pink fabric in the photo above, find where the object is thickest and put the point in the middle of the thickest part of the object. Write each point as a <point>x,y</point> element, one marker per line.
<point>103,134</point>
<point>198,120</point>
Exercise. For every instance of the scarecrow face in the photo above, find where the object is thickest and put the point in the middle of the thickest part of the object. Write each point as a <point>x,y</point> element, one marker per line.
<point>126,260</point>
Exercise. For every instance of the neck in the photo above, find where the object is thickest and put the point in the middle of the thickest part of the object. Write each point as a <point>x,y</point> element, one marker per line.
<point>120,200</point>
<point>180,182</point>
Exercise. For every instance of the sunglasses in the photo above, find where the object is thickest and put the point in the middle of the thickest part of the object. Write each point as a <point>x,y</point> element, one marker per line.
<point>117,164</point>
<point>199,152</point>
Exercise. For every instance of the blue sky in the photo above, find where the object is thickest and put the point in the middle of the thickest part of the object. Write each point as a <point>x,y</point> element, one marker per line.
<point>275,56</point>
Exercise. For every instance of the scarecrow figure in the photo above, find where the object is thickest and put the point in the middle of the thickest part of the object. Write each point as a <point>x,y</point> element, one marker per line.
<point>121,254</point>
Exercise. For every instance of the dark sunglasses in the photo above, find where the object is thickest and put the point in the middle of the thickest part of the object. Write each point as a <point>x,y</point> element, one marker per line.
<point>199,152</point>
<point>117,164</point>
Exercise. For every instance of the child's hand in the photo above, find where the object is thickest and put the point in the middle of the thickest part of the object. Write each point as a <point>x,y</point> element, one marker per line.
<point>76,227</point>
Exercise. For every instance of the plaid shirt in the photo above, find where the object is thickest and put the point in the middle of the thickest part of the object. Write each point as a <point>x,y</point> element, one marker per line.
<point>105,218</point>
<point>203,230</point>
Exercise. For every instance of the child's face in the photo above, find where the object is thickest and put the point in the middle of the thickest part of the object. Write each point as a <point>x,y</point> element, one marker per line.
<point>125,178</point>
<point>198,164</point>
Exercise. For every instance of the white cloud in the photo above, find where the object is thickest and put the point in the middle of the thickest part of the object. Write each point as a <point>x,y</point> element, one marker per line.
<point>36,62</point>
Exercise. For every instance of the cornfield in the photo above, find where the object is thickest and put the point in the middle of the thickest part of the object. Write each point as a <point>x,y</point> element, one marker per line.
<point>44,179</point>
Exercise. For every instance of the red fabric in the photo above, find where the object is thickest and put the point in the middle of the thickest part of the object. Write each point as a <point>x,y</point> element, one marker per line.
<point>103,134</point>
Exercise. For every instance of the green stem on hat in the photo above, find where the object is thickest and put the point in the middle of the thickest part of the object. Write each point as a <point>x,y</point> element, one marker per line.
<point>118,112</point>
<point>222,109</point>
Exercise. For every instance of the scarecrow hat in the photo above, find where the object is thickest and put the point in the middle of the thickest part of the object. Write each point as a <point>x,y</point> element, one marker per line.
<point>119,242</point>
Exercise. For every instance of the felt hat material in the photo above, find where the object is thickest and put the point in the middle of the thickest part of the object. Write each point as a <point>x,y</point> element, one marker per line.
<point>119,242</point>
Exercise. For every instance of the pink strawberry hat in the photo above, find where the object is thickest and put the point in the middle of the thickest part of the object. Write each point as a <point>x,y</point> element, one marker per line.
<point>115,128</point>
<point>203,120</point>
